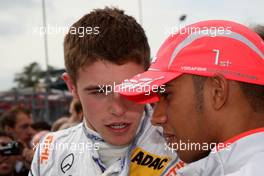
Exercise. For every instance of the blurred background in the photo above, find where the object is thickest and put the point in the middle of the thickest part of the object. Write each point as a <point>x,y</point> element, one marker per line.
<point>32,32</point>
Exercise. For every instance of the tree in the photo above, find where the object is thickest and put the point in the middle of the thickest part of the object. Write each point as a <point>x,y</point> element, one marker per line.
<point>30,75</point>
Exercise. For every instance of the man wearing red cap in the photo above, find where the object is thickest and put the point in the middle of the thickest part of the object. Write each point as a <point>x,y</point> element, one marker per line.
<point>213,99</point>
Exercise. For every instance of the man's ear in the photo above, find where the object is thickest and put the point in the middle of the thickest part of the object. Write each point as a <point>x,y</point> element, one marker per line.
<point>71,86</point>
<point>219,91</point>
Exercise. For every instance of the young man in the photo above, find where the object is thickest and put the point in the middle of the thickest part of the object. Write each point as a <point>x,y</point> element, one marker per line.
<point>17,121</point>
<point>113,48</point>
<point>213,103</point>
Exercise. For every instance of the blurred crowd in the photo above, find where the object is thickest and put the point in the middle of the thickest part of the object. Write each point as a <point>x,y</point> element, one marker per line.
<point>20,135</point>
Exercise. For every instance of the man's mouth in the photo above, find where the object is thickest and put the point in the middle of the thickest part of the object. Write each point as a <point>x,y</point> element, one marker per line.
<point>119,127</point>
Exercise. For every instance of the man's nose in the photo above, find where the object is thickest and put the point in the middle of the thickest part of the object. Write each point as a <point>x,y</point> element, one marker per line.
<point>117,107</point>
<point>159,116</point>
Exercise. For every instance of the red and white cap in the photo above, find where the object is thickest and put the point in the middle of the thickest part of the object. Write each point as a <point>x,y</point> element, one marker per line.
<point>205,48</point>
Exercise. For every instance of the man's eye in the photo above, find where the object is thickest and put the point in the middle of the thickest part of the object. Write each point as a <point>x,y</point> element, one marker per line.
<point>163,94</point>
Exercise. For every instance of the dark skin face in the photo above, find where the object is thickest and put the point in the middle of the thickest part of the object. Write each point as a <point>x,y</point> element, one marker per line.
<point>225,113</point>
<point>181,122</point>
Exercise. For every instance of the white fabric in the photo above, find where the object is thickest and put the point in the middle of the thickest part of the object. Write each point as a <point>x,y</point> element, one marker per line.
<point>108,154</point>
<point>244,157</point>
<point>90,162</point>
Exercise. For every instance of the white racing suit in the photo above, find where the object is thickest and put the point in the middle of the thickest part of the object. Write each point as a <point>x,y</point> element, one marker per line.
<point>243,157</point>
<point>75,152</point>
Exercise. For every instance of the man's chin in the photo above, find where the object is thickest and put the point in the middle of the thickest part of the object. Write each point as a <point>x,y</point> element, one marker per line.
<point>190,156</point>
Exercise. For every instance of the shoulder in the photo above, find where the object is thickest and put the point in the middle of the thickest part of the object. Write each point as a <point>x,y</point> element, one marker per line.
<point>254,166</point>
<point>65,134</point>
<point>57,142</point>
<point>57,148</point>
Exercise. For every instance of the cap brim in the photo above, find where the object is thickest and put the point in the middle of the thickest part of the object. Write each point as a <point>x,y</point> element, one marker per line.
<point>143,87</point>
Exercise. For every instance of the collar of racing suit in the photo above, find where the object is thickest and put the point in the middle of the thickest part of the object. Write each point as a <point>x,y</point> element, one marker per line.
<point>110,156</point>
<point>230,159</point>
<point>108,153</point>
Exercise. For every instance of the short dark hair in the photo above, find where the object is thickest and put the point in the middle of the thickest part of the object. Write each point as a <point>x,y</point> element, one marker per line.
<point>255,93</point>
<point>8,118</point>
<point>259,29</point>
<point>198,83</point>
<point>118,39</point>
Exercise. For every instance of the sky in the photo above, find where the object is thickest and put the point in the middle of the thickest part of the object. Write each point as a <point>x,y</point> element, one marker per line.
<point>22,41</point>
